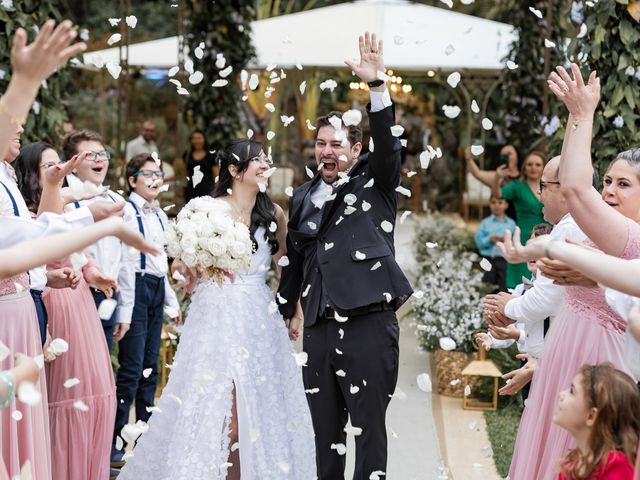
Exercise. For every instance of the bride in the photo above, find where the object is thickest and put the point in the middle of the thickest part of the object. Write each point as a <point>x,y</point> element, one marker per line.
<point>234,404</point>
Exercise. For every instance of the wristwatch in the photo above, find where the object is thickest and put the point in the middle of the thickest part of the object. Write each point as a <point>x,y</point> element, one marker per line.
<point>375,83</point>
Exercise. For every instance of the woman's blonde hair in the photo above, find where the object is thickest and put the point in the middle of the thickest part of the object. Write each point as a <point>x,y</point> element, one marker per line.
<point>617,425</point>
<point>536,153</point>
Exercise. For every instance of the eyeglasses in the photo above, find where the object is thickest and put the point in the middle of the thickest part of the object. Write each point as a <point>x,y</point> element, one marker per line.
<point>48,165</point>
<point>149,173</point>
<point>95,156</point>
<point>265,159</point>
<point>543,185</point>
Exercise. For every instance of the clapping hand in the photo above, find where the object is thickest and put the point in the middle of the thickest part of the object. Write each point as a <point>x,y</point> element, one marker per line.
<point>371,58</point>
<point>581,100</point>
<point>52,47</point>
<point>484,340</point>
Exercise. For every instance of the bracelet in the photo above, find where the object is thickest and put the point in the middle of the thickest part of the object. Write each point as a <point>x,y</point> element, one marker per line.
<point>546,248</point>
<point>13,120</point>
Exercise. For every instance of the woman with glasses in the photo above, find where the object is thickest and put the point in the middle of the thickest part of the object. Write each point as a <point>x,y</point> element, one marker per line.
<point>235,405</point>
<point>199,158</point>
<point>80,383</point>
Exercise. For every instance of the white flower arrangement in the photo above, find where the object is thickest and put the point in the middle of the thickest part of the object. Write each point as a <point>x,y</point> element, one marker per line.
<point>205,237</point>
<point>451,283</point>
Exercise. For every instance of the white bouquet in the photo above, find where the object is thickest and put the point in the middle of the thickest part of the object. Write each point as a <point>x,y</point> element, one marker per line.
<point>204,237</point>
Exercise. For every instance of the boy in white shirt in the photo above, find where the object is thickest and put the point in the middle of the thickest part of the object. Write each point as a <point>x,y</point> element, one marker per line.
<point>140,347</point>
<point>109,252</point>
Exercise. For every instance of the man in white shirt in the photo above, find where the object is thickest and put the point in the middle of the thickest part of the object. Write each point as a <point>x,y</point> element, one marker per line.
<point>143,143</point>
<point>545,298</point>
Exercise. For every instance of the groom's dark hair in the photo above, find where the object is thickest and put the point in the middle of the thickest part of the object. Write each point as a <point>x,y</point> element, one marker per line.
<point>354,132</point>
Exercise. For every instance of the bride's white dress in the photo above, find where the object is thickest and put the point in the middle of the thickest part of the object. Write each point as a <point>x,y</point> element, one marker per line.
<point>233,335</point>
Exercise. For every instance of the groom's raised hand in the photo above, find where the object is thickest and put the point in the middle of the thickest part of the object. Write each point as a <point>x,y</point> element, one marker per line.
<point>371,66</point>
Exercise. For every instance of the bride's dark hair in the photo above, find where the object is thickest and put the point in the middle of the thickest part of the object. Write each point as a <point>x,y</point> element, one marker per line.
<point>241,152</point>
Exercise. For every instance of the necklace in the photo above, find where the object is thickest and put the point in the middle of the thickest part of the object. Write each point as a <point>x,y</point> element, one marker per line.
<point>240,214</point>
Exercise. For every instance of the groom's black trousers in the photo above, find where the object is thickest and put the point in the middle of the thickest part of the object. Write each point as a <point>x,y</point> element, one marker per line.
<point>365,348</point>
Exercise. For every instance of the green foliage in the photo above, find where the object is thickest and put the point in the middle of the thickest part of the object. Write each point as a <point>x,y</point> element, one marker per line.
<point>224,27</point>
<point>517,106</point>
<point>46,117</point>
<point>612,48</point>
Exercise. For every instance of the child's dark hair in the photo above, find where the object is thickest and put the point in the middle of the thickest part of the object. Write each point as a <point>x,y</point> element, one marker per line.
<point>136,163</point>
<point>494,197</point>
<point>75,137</point>
<point>541,229</point>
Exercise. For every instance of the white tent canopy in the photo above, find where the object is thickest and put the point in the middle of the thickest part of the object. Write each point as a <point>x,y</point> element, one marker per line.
<point>416,37</point>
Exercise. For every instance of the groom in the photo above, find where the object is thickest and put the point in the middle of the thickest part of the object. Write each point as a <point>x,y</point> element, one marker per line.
<point>342,269</point>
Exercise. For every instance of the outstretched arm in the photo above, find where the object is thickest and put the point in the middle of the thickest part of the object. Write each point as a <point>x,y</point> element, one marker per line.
<point>485,176</point>
<point>31,65</point>
<point>604,225</point>
<point>384,159</point>
<point>32,253</point>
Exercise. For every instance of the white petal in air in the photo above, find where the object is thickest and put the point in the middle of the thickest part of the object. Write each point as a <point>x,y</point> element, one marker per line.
<point>106,308</point>
<point>302,87</point>
<point>224,73</point>
<point>467,391</point>
<point>310,126</point>
<point>59,346</point>
<point>485,265</point>
<point>197,176</point>
<point>172,72</point>
<point>424,382</point>
<point>29,394</point>
<point>132,21</point>
<point>71,382</point>
<point>511,65</point>
<point>270,135</point>
<point>474,106</point>
<point>352,117</point>
<point>288,191</point>
<point>284,261</point>
<point>309,172</point>
<point>447,343</point>
<point>270,107</point>
<point>548,43</point>
<point>453,79</point>
<point>583,31</point>
<point>451,111</point>
<point>487,124</point>
<point>114,69</point>
<point>301,358</point>
<point>146,372</point>
<point>404,191</point>
<point>387,226</point>
<point>404,216</point>
<point>196,77</point>
<point>220,83</point>
<point>115,38</point>
<point>353,389</point>
<point>397,130</point>
<point>536,12</point>
<point>376,266</point>
<point>340,448</point>
<point>341,373</point>
<point>254,81</point>
<point>477,149</point>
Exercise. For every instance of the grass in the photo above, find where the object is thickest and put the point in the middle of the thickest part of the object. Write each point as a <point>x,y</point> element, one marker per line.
<point>502,427</point>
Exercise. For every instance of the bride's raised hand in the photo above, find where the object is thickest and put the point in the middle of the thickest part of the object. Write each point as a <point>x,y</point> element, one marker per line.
<point>580,99</point>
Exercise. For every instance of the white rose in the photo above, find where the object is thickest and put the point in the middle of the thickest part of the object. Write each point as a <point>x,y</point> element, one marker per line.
<point>198,218</point>
<point>202,243</point>
<point>189,258</point>
<point>204,229</point>
<point>238,249</point>
<point>216,246</point>
<point>241,232</point>
<point>205,259</point>
<point>186,227</point>
<point>188,242</point>
<point>173,250</point>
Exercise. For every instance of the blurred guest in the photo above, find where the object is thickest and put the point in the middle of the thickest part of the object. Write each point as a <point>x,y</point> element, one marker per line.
<point>198,155</point>
<point>143,143</point>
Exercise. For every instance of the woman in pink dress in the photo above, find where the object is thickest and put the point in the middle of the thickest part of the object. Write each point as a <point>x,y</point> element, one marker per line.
<point>80,382</point>
<point>586,330</point>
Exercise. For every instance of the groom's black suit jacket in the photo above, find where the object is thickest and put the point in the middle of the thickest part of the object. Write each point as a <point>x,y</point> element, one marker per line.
<point>343,274</point>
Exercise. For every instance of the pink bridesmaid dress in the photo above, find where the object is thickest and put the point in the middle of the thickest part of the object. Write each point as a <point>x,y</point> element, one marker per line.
<point>83,415</point>
<point>26,439</point>
<point>585,331</point>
